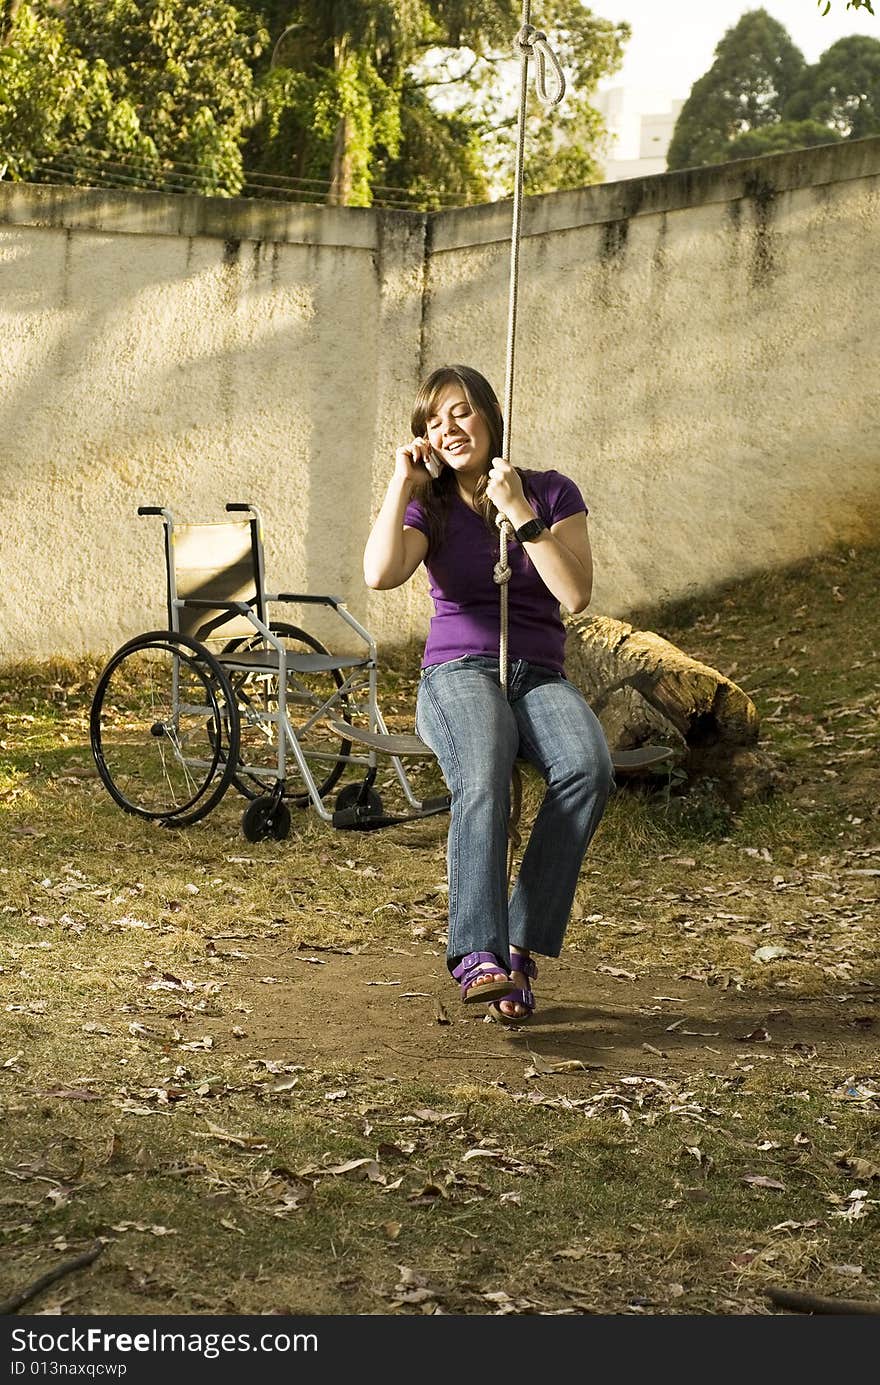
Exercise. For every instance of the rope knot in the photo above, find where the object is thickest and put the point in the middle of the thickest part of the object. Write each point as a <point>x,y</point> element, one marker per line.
<point>532,43</point>
<point>501,573</point>
<point>527,37</point>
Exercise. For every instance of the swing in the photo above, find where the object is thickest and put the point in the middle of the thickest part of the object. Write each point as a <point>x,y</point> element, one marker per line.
<point>529,42</point>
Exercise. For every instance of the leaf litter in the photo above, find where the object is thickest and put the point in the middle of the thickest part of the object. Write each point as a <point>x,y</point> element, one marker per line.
<point>825,928</point>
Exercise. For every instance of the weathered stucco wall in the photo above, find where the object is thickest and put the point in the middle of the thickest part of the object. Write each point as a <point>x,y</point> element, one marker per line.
<point>695,349</point>
<point>163,351</point>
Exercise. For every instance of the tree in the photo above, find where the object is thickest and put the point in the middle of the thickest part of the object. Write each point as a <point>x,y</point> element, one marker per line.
<point>51,97</point>
<point>756,71</point>
<point>331,97</point>
<point>134,87</point>
<point>775,139</point>
<point>842,90</point>
<point>562,144</point>
<point>342,95</point>
<point>186,70</point>
<point>412,94</point>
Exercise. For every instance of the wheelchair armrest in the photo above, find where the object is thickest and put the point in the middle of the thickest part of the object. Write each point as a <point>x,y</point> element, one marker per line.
<point>333,601</point>
<point>339,606</point>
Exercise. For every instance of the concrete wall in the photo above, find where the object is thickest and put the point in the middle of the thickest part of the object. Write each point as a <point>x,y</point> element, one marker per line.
<point>695,349</point>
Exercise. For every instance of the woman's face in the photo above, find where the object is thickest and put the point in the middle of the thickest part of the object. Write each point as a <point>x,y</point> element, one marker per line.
<point>458,433</point>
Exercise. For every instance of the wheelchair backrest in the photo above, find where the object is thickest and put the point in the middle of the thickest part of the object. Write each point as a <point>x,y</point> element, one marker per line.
<point>219,561</point>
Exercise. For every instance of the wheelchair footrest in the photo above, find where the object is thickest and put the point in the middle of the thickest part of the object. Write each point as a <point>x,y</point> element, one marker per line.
<point>644,757</point>
<point>376,740</point>
<point>363,818</point>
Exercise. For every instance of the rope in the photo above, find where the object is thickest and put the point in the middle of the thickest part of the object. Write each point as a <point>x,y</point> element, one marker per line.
<point>529,42</point>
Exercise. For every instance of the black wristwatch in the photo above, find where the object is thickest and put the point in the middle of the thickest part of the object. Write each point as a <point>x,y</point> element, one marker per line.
<point>530,530</point>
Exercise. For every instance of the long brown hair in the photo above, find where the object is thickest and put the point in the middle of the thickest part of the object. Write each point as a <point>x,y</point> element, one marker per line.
<point>435,498</point>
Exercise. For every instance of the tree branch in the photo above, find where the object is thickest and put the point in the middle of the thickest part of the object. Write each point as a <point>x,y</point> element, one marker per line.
<point>78,1262</point>
<point>814,1303</point>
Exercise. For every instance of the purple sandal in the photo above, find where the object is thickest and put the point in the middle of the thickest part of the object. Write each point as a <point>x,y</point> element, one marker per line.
<point>525,997</point>
<point>471,968</point>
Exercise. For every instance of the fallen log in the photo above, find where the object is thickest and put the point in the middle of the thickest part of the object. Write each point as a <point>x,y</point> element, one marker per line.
<point>645,689</point>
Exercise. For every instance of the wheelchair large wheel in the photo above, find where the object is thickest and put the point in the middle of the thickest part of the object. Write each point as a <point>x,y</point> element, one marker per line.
<point>256,693</point>
<point>164,728</point>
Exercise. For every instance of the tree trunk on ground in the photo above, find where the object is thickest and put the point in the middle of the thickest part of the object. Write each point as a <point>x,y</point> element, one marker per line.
<point>644,689</point>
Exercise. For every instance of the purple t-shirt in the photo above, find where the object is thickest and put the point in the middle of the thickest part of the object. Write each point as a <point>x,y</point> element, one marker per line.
<point>467,611</point>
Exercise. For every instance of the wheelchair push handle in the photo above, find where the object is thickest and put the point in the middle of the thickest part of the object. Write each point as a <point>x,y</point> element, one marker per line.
<point>150,510</point>
<point>234,507</point>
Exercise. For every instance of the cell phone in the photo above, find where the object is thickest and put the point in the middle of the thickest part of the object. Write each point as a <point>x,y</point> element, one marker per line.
<point>434,464</point>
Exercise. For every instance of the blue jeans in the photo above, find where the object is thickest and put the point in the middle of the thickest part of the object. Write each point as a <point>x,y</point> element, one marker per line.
<point>476,734</point>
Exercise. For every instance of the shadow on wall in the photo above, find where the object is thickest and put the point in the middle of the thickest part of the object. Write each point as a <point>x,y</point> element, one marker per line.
<point>191,388</point>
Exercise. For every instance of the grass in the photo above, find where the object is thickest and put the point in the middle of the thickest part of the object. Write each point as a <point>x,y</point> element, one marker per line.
<point>176,1084</point>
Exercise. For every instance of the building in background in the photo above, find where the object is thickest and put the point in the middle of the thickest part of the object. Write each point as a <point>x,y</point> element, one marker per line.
<point>638,133</point>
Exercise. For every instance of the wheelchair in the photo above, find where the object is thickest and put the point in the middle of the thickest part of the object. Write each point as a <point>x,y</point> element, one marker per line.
<point>231,695</point>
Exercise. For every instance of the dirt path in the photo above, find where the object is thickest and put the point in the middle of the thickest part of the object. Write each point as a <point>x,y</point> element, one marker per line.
<point>392,1010</point>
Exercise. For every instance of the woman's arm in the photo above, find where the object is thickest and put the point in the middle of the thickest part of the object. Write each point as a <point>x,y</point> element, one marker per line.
<point>560,554</point>
<point>393,551</point>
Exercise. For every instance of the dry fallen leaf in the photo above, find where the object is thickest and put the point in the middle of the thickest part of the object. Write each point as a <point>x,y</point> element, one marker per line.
<point>862,1168</point>
<point>541,1068</point>
<point>769,953</point>
<point>214,1132</point>
<point>362,1168</point>
<point>142,1226</point>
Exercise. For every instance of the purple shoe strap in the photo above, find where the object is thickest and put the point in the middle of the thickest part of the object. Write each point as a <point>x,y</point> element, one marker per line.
<point>524,964</point>
<point>525,998</point>
<point>477,964</point>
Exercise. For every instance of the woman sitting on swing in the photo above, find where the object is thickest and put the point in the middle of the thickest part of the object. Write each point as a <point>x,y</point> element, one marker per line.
<point>449,523</point>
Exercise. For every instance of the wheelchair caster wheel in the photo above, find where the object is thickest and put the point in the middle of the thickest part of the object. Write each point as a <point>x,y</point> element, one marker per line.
<point>348,797</point>
<point>264,817</point>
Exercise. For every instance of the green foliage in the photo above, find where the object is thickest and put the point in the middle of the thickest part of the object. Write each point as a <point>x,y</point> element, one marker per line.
<point>775,139</point>
<point>825,5</point>
<point>382,121</point>
<point>344,96</point>
<point>160,80</point>
<point>50,96</point>
<point>563,143</point>
<point>331,100</point>
<point>842,90</point>
<point>439,158</point>
<point>759,97</point>
<point>185,68</point>
<point>756,71</point>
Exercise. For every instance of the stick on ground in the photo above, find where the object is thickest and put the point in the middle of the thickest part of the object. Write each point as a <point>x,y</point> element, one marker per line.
<point>813,1303</point>
<point>78,1262</point>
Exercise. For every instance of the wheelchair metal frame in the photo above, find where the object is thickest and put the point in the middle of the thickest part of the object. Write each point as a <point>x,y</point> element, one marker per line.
<point>259,655</point>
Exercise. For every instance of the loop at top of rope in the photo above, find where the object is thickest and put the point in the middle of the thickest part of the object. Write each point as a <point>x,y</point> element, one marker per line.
<point>532,43</point>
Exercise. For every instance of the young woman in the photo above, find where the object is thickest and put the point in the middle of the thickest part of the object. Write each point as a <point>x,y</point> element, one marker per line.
<point>449,523</point>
